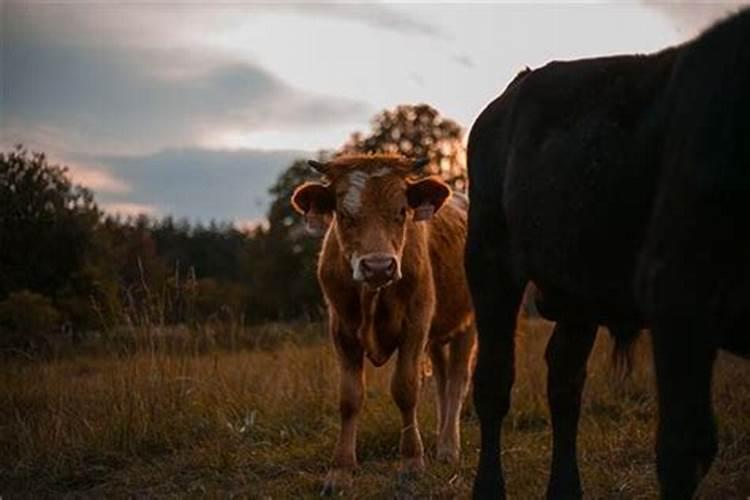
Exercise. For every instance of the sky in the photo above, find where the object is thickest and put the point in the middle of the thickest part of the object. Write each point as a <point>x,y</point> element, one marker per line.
<point>192,109</point>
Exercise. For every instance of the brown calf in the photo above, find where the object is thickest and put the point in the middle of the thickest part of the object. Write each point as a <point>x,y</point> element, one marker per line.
<point>392,274</point>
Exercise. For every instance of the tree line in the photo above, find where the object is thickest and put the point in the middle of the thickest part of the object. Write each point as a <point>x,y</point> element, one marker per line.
<point>65,265</point>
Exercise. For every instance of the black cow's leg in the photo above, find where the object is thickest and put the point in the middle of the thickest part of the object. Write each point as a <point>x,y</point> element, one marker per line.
<point>496,306</point>
<point>567,353</point>
<point>686,439</point>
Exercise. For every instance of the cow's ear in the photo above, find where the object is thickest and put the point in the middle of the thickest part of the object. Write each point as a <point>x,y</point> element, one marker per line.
<point>317,203</point>
<point>426,196</point>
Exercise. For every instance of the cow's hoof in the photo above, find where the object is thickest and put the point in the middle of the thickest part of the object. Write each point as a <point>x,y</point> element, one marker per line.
<point>337,480</point>
<point>448,455</point>
<point>410,467</point>
<point>488,486</point>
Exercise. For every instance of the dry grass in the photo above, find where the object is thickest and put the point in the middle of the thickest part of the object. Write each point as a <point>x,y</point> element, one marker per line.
<point>262,424</point>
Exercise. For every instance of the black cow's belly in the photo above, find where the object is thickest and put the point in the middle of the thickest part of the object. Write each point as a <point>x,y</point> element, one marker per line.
<point>583,270</point>
<point>577,194</point>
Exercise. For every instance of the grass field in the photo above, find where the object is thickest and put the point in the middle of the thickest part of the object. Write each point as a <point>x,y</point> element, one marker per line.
<point>262,424</point>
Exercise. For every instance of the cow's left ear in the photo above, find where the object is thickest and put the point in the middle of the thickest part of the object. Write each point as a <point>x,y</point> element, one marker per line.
<point>426,196</point>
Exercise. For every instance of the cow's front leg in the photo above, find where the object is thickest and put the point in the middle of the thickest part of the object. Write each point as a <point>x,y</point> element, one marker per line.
<point>351,394</point>
<point>405,386</point>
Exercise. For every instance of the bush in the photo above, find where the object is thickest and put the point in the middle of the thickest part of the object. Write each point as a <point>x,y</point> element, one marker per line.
<point>27,320</point>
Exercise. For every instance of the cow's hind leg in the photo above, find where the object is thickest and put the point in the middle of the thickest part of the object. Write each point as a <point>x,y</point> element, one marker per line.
<point>686,437</point>
<point>459,371</point>
<point>567,353</point>
<point>439,359</point>
<point>351,358</point>
<point>497,297</point>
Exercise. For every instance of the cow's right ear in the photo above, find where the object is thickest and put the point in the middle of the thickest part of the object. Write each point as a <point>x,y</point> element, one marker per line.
<point>317,203</point>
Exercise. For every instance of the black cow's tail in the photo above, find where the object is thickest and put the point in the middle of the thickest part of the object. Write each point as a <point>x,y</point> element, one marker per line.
<point>622,354</point>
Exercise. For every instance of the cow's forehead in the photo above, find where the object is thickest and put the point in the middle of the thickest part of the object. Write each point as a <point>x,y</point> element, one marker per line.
<point>354,182</point>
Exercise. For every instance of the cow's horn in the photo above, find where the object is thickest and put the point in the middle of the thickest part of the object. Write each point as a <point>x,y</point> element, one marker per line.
<point>419,165</point>
<point>318,166</point>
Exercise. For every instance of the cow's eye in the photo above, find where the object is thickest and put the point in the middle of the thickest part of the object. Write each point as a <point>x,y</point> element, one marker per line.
<point>401,216</point>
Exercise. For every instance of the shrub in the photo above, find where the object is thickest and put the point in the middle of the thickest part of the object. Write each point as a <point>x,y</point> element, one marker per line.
<point>27,320</point>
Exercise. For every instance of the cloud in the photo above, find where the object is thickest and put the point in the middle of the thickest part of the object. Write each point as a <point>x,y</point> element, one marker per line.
<point>690,17</point>
<point>123,80</point>
<point>97,178</point>
<point>376,15</point>
<point>464,60</point>
<point>108,98</point>
<point>196,183</point>
<point>143,23</point>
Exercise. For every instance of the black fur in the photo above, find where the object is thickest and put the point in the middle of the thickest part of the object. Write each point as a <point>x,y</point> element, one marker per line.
<point>620,187</point>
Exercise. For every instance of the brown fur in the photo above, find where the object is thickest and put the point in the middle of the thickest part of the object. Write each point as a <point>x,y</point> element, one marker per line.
<point>430,303</point>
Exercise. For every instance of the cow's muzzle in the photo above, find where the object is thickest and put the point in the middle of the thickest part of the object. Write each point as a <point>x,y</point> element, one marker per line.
<point>378,269</point>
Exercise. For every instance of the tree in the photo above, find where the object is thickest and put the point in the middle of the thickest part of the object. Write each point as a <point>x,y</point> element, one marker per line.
<point>48,236</point>
<point>417,131</point>
<point>282,258</point>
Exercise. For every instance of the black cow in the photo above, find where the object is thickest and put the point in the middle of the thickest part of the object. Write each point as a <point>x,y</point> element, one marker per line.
<point>620,187</point>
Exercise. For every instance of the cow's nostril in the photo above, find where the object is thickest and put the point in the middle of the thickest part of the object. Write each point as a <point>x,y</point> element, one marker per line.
<point>378,268</point>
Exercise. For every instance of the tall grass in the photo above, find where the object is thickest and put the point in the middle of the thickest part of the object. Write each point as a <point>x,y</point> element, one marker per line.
<point>164,418</point>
